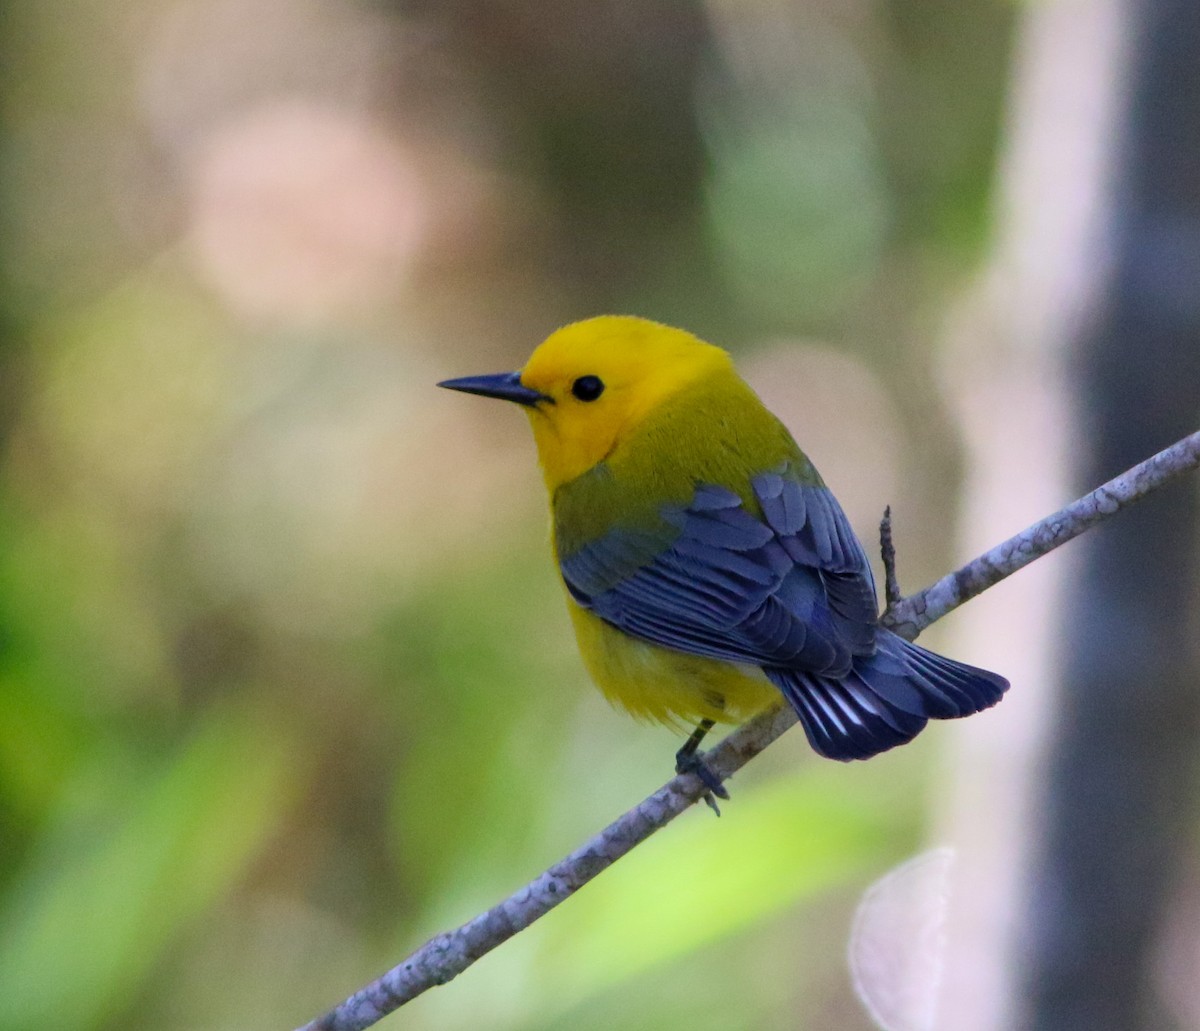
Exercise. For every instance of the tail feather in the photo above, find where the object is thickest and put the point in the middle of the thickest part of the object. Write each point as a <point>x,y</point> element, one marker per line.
<point>970,688</point>
<point>886,699</point>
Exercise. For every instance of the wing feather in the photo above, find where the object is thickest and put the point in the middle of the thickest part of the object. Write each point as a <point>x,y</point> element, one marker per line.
<point>791,589</point>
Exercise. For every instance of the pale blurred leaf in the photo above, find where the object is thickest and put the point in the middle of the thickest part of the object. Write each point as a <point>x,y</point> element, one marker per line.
<point>897,944</point>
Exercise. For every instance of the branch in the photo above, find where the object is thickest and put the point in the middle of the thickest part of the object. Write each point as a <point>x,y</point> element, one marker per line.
<point>448,955</point>
<point>912,615</point>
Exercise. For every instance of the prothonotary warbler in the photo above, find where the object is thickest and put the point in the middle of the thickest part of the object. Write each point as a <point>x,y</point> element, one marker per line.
<point>708,569</point>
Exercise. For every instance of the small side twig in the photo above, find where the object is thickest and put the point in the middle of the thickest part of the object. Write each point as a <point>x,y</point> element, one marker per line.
<point>887,549</point>
<point>912,615</point>
<point>449,954</point>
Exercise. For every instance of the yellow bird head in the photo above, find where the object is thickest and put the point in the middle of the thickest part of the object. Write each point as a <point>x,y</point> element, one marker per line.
<point>590,384</point>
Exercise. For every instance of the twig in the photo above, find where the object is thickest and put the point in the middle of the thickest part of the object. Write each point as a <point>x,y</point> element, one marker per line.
<point>912,615</point>
<point>449,954</point>
<point>887,549</point>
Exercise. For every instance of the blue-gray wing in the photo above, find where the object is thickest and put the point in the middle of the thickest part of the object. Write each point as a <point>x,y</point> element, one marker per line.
<point>790,590</point>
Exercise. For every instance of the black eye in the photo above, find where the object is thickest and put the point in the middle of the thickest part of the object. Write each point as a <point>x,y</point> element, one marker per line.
<point>588,388</point>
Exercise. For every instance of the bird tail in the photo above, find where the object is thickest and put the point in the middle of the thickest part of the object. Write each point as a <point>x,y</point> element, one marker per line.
<point>886,699</point>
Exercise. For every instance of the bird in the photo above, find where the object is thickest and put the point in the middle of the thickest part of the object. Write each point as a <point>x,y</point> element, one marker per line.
<point>709,572</point>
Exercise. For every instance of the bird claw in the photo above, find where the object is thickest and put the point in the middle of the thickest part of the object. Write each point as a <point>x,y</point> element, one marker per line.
<point>690,762</point>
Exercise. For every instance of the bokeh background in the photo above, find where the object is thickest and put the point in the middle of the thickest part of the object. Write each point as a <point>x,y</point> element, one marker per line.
<point>286,684</point>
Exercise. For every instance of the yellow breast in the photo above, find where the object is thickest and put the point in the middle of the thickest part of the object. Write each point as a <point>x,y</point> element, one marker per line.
<point>654,683</point>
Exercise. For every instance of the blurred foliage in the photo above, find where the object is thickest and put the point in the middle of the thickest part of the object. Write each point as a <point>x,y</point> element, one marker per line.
<point>285,680</point>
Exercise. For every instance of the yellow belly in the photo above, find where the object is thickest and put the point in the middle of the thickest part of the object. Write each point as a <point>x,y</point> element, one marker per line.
<point>655,683</point>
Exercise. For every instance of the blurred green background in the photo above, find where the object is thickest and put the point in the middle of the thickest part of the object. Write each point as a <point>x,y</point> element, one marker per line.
<point>286,684</point>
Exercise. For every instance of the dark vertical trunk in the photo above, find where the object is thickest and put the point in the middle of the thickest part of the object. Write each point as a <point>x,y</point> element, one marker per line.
<point>1118,801</point>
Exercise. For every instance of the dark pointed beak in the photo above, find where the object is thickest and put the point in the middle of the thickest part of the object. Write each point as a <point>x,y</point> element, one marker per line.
<point>505,385</point>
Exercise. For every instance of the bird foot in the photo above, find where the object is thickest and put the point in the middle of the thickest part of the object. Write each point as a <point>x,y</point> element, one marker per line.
<point>689,761</point>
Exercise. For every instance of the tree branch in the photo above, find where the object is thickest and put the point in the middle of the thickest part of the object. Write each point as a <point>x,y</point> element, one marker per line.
<point>912,615</point>
<point>447,955</point>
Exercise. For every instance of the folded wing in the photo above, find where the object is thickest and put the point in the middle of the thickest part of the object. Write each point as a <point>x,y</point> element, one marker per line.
<point>791,589</point>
